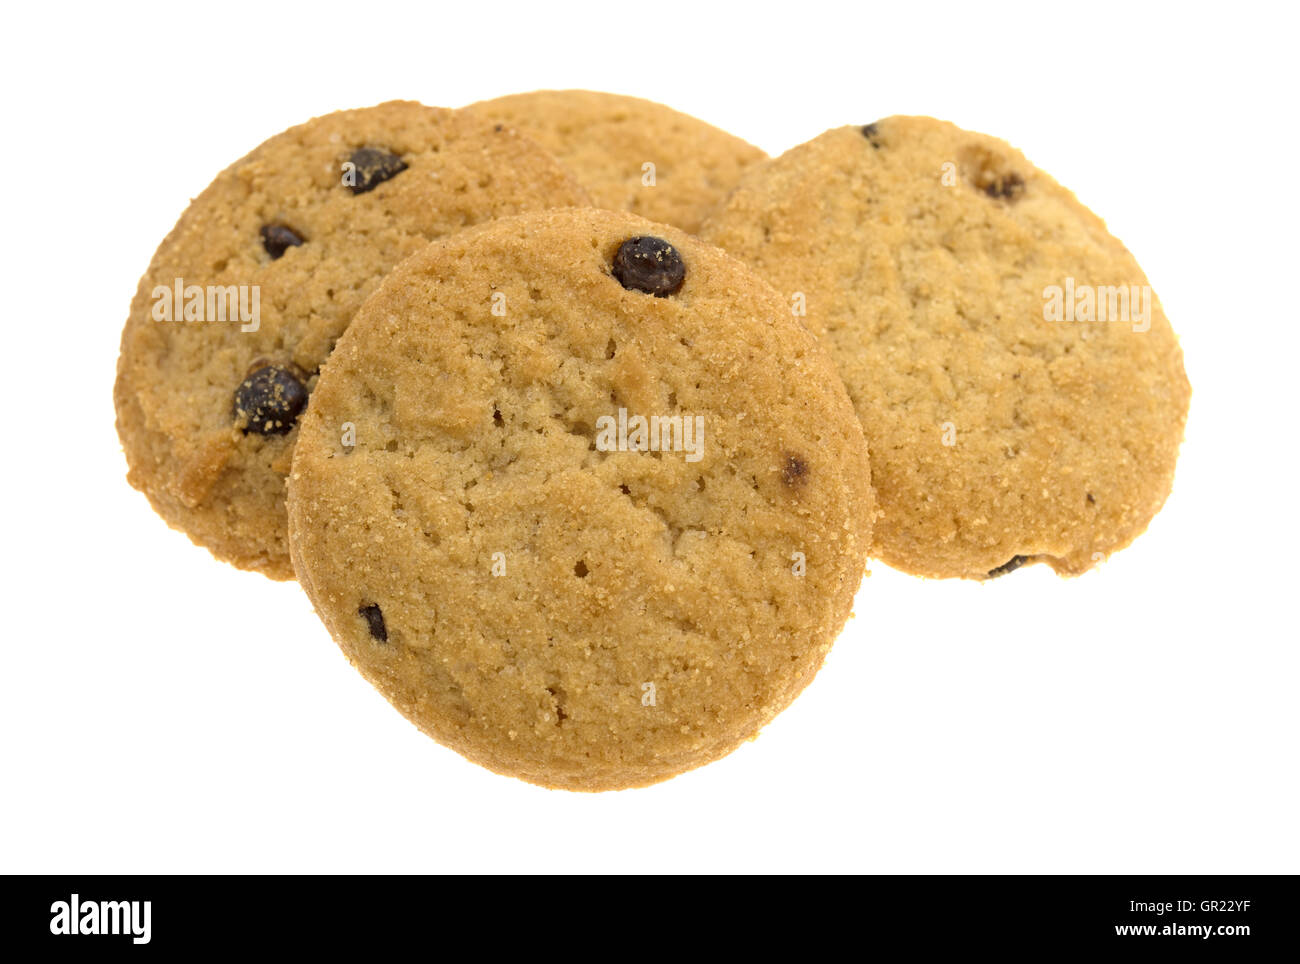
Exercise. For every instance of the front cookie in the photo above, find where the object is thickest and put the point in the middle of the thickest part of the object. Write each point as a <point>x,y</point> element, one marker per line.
<point>245,298</point>
<point>581,499</point>
<point>1020,386</point>
<point>631,154</point>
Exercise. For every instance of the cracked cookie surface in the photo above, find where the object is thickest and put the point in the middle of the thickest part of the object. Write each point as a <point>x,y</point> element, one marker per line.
<point>534,584</point>
<point>606,139</point>
<point>924,255</point>
<point>310,221</point>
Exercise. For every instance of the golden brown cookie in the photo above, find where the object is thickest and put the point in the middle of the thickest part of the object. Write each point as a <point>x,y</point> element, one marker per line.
<point>533,575</point>
<point>607,140</point>
<point>245,298</point>
<point>952,282</point>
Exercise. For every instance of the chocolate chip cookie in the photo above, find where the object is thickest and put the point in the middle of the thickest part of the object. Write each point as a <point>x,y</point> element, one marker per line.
<point>631,154</point>
<point>581,498</point>
<point>245,298</point>
<point>1019,383</point>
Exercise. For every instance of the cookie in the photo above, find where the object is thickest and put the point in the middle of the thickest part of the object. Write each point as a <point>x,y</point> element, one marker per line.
<point>957,287</point>
<point>607,141</point>
<point>580,498</point>
<point>245,297</point>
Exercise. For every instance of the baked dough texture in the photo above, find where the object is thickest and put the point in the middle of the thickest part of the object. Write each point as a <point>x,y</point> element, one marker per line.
<point>933,263</point>
<point>312,239</point>
<point>574,612</point>
<point>606,139</point>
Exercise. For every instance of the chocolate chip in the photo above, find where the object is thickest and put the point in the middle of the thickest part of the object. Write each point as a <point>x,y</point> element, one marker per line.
<point>649,264</point>
<point>374,617</point>
<point>1091,500</point>
<point>1011,565</point>
<point>373,166</point>
<point>794,471</point>
<point>871,133</point>
<point>269,399</point>
<point>278,238</point>
<point>1007,187</point>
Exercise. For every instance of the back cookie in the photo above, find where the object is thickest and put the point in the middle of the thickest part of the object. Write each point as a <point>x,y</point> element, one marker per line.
<point>244,300</point>
<point>962,293</point>
<point>607,140</point>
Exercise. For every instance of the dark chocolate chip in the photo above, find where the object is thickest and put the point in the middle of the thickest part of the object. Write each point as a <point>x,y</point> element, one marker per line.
<point>269,399</point>
<point>872,134</point>
<point>1091,500</point>
<point>373,166</point>
<point>794,471</point>
<point>374,617</point>
<point>1011,565</point>
<point>278,238</point>
<point>649,264</point>
<point>1007,187</point>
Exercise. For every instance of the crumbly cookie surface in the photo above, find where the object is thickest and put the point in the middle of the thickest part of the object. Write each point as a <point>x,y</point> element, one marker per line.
<point>554,603</point>
<point>206,408</point>
<point>606,139</point>
<point>929,260</point>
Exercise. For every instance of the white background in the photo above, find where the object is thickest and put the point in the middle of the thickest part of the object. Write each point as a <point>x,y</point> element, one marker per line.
<point>160,711</point>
